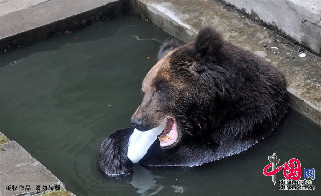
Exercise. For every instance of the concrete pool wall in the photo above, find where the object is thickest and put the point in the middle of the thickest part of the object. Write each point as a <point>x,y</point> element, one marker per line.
<point>181,19</point>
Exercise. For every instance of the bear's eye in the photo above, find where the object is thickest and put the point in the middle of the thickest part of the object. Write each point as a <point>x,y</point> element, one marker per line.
<point>161,87</point>
<point>159,90</point>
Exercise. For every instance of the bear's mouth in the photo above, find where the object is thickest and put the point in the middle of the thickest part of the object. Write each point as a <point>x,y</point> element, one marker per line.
<point>140,141</point>
<point>169,135</point>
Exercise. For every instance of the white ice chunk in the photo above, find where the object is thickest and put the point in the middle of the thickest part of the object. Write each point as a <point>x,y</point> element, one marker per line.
<point>140,142</point>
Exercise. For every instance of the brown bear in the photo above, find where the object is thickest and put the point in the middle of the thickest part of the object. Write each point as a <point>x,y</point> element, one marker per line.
<point>214,100</point>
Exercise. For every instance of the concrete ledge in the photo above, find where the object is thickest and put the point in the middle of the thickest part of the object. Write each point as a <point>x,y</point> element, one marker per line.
<point>20,173</point>
<point>183,19</point>
<point>298,19</point>
<point>42,18</point>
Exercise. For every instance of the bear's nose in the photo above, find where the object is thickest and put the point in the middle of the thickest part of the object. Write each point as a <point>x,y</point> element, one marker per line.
<point>136,122</point>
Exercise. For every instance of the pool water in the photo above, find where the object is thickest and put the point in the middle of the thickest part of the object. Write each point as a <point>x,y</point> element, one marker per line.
<point>61,97</point>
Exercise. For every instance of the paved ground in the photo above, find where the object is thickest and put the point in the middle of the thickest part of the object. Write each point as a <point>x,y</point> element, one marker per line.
<point>8,6</point>
<point>184,18</point>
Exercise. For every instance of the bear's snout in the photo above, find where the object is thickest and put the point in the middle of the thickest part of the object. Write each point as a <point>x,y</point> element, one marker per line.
<point>136,123</point>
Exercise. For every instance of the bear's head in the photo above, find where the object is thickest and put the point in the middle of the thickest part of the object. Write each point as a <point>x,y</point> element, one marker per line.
<point>178,90</point>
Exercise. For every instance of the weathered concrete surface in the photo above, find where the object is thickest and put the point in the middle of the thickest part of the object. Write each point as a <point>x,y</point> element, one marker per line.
<point>18,171</point>
<point>298,19</point>
<point>22,23</point>
<point>184,18</point>
<point>8,6</point>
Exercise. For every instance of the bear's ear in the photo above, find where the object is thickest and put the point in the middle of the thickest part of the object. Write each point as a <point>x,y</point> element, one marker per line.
<point>166,47</point>
<point>208,42</point>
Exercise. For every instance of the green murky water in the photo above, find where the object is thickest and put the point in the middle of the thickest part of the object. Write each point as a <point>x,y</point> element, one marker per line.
<point>61,97</point>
